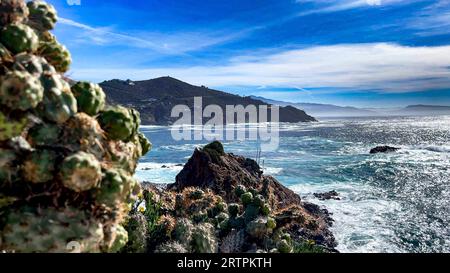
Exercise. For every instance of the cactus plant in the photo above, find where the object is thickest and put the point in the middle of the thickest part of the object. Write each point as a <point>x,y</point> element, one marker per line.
<point>259,228</point>
<point>90,97</point>
<point>19,38</point>
<point>33,64</point>
<point>56,54</point>
<point>183,230</point>
<point>7,168</point>
<point>42,15</point>
<point>20,91</point>
<point>39,167</point>
<point>112,188</point>
<point>58,104</point>
<point>66,184</point>
<point>82,132</point>
<point>13,11</point>
<point>171,247</point>
<point>118,122</point>
<point>81,172</point>
<point>146,146</point>
<point>204,239</point>
<point>46,230</point>
<point>10,128</point>
<point>118,240</point>
<point>247,198</point>
<point>44,134</point>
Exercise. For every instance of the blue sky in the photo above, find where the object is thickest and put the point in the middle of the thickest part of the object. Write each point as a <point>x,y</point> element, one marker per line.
<point>369,53</point>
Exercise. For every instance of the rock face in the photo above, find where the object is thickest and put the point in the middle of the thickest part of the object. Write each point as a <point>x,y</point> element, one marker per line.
<point>384,149</point>
<point>224,173</point>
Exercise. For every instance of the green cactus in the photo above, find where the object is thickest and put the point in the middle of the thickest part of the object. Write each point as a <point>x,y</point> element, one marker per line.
<point>171,247</point>
<point>50,230</point>
<point>183,230</point>
<point>204,239</point>
<point>58,104</point>
<point>20,91</point>
<point>5,55</point>
<point>197,194</point>
<point>45,141</point>
<point>42,15</point>
<point>10,128</point>
<point>44,134</point>
<point>81,172</point>
<point>90,97</point>
<point>39,167</point>
<point>115,187</point>
<point>259,228</point>
<point>8,169</point>
<point>120,239</point>
<point>12,11</point>
<point>239,190</point>
<point>259,201</point>
<point>146,145</point>
<point>251,213</point>
<point>247,198</point>
<point>33,64</point>
<point>118,122</point>
<point>222,217</point>
<point>284,246</point>
<point>233,209</point>
<point>137,228</point>
<point>82,132</point>
<point>265,210</point>
<point>19,38</point>
<point>56,54</point>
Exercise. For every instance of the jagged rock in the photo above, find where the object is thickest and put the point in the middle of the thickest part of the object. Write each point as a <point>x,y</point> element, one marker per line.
<point>250,195</point>
<point>222,177</point>
<point>383,149</point>
<point>331,195</point>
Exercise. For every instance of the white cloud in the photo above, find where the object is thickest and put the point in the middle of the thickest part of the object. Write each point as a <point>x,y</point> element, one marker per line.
<point>382,66</point>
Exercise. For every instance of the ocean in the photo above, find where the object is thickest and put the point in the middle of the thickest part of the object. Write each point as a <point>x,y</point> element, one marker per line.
<point>396,202</point>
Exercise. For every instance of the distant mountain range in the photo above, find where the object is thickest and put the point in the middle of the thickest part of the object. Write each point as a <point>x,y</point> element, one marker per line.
<point>329,110</point>
<point>323,110</point>
<point>155,98</point>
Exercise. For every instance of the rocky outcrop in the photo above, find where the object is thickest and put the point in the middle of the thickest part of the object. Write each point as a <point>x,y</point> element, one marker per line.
<point>222,173</point>
<point>262,214</point>
<point>331,195</point>
<point>383,149</point>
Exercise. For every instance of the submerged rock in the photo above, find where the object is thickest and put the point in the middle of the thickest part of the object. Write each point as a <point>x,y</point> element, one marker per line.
<point>384,149</point>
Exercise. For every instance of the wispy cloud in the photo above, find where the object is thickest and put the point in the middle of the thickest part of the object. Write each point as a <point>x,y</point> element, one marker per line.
<point>328,6</point>
<point>432,20</point>
<point>164,43</point>
<point>381,66</point>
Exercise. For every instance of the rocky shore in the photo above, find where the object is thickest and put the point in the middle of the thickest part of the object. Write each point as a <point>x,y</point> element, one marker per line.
<point>224,203</point>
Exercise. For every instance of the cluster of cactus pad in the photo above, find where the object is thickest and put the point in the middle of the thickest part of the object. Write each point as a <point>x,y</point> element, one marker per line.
<point>199,221</point>
<point>66,159</point>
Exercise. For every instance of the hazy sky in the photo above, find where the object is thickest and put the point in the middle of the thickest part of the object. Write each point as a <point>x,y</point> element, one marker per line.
<point>373,53</point>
